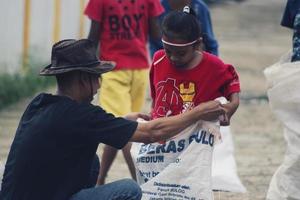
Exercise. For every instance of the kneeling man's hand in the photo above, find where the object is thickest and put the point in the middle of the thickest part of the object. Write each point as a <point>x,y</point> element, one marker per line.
<point>134,116</point>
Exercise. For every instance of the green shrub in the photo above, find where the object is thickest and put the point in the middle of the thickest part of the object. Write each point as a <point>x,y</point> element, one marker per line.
<point>13,87</point>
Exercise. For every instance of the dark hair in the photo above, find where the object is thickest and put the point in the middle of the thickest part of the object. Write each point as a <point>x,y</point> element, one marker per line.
<point>182,25</point>
<point>66,79</point>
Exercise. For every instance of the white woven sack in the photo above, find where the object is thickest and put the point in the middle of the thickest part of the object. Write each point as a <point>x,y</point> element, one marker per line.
<point>283,80</point>
<point>224,170</point>
<point>178,169</point>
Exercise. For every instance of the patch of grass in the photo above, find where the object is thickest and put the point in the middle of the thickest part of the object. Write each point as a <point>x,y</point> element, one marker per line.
<point>13,87</point>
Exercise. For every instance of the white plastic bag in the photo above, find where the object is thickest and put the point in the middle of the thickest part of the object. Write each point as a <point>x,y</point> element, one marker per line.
<point>283,80</point>
<point>177,169</point>
<point>224,172</point>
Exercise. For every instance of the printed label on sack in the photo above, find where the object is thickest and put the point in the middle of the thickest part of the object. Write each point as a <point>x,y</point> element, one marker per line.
<point>177,169</point>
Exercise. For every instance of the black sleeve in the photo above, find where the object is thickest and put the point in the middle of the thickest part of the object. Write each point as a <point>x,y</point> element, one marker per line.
<point>98,126</point>
<point>288,15</point>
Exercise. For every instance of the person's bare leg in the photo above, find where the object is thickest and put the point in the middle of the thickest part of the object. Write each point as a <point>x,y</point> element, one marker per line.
<point>129,161</point>
<point>108,156</point>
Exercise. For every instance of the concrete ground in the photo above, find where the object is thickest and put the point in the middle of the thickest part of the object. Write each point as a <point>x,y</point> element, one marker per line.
<point>250,38</point>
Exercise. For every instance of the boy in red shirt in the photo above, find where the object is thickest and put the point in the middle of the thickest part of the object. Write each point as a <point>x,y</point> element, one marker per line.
<point>121,28</point>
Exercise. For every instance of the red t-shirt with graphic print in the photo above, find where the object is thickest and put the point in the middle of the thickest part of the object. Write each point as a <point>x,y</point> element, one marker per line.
<point>173,90</point>
<point>124,29</point>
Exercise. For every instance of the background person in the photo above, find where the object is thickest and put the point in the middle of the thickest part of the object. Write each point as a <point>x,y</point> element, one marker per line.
<point>121,29</point>
<point>283,95</point>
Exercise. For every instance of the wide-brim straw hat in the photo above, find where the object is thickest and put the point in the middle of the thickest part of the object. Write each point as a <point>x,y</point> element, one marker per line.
<point>70,55</point>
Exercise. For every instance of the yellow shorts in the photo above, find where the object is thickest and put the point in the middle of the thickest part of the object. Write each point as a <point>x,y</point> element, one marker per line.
<point>123,91</point>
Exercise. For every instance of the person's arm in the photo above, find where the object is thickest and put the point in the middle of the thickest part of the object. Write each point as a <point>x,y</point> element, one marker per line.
<point>209,40</point>
<point>154,45</point>
<point>288,16</point>
<point>94,33</point>
<point>154,28</point>
<point>154,36</point>
<point>230,108</point>
<point>165,128</point>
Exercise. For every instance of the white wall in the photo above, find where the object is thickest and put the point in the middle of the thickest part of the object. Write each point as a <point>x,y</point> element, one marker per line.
<point>40,29</point>
<point>71,19</point>
<point>11,30</point>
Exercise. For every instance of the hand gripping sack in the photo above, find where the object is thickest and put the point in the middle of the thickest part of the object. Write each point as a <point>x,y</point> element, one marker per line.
<point>283,79</point>
<point>178,169</point>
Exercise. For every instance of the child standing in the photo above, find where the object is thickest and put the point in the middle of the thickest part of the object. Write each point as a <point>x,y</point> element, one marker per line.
<point>182,75</point>
<point>121,29</point>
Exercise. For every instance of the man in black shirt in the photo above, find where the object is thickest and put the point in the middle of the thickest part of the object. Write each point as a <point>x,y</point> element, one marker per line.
<point>55,144</point>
